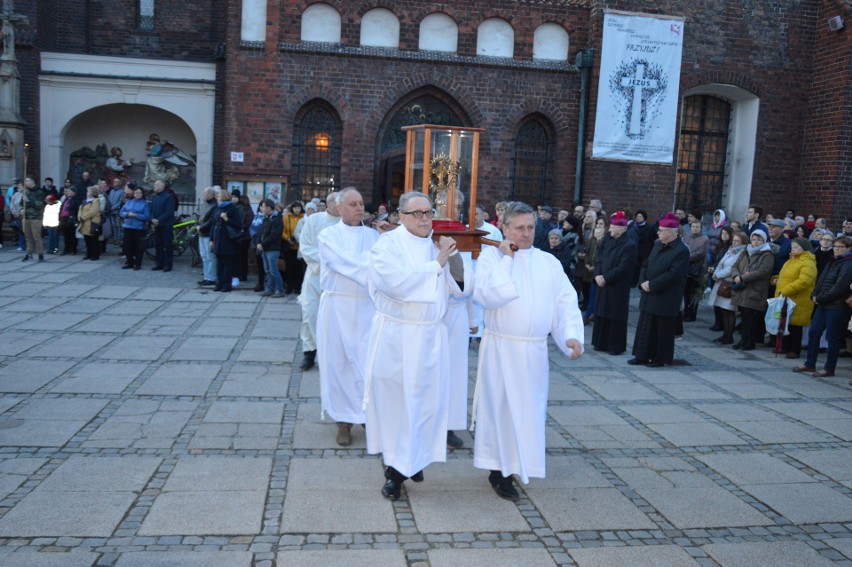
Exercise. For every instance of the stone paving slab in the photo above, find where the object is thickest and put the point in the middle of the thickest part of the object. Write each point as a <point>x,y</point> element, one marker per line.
<point>490,558</point>
<point>789,554</point>
<point>709,507</point>
<point>27,376</point>
<point>75,558</point>
<point>185,559</point>
<point>180,380</point>
<point>99,378</point>
<point>343,558</point>
<point>73,514</point>
<point>658,556</point>
<point>804,503</point>
<point>580,509</point>
<point>234,512</point>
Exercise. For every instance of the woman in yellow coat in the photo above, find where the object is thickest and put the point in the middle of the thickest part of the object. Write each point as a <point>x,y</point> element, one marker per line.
<point>294,273</point>
<point>796,281</point>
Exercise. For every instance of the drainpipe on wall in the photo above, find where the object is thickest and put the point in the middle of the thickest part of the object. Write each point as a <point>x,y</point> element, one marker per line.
<point>584,60</point>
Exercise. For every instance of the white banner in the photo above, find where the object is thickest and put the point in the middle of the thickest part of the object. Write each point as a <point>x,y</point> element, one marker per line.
<point>638,89</point>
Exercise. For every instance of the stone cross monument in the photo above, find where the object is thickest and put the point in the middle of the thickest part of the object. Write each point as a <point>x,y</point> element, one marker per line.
<point>11,122</point>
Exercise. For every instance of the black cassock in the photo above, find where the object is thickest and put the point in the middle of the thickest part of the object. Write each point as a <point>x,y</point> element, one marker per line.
<point>616,262</point>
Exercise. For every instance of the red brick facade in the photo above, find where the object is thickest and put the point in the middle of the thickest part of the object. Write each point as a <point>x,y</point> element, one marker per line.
<point>778,50</point>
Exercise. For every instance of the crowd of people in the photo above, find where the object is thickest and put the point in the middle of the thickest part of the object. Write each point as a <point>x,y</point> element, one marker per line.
<point>388,309</point>
<point>734,266</point>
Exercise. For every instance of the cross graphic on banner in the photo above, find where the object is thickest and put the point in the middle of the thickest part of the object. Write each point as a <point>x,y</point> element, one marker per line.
<point>638,84</point>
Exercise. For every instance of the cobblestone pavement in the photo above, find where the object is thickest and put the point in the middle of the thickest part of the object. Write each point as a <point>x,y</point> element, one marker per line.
<point>145,421</point>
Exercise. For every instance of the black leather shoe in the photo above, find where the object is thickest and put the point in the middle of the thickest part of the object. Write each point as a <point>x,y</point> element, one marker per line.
<point>167,269</point>
<point>417,477</point>
<point>716,328</point>
<point>453,441</point>
<point>616,352</point>
<point>636,362</point>
<point>506,489</point>
<point>653,364</point>
<point>156,268</point>
<point>391,489</point>
<point>309,361</point>
<point>748,347</point>
<point>738,346</point>
<point>126,267</point>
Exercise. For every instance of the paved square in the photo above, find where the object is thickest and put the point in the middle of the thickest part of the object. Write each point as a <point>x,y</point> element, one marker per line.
<point>145,421</point>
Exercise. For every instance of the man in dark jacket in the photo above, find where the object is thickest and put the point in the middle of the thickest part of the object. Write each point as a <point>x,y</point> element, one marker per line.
<point>831,312</point>
<point>662,293</point>
<point>613,276</point>
<point>163,219</point>
<point>543,227</point>
<point>269,246</point>
<point>34,200</point>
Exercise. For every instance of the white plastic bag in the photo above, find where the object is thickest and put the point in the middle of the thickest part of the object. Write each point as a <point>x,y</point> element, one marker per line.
<point>776,312</point>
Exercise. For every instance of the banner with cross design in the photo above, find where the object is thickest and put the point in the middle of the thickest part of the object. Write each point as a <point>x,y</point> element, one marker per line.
<point>638,87</point>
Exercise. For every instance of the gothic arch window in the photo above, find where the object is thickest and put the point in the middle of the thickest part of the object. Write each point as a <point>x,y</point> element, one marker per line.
<point>317,135</point>
<point>703,153</point>
<point>321,23</point>
<point>532,161</point>
<point>495,38</point>
<point>439,32</point>
<point>550,41</point>
<point>380,27</point>
<point>424,109</point>
<point>146,15</point>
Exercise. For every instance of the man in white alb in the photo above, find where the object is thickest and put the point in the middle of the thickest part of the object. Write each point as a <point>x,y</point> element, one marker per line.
<point>345,313</point>
<point>407,383</point>
<point>526,296</point>
<point>310,296</point>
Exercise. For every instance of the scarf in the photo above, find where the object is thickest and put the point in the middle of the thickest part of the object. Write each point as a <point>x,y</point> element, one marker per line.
<point>754,250</point>
<point>723,220</point>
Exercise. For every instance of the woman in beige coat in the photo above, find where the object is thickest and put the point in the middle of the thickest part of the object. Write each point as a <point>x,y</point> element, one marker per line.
<point>90,212</point>
<point>751,276</point>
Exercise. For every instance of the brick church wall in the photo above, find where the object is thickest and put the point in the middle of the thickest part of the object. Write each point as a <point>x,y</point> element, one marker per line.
<point>825,184</point>
<point>762,47</point>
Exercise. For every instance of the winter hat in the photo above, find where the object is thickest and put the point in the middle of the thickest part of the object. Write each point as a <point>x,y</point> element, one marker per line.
<point>51,198</point>
<point>618,219</point>
<point>760,233</point>
<point>804,243</point>
<point>669,220</point>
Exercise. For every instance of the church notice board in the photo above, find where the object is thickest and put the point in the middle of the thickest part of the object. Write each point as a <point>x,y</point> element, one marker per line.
<point>638,88</point>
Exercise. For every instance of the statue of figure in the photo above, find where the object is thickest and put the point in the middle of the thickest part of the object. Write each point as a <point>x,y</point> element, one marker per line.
<point>10,18</point>
<point>115,167</point>
<point>163,159</point>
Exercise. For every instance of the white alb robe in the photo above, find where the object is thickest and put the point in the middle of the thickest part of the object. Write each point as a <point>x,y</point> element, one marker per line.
<point>525,298</point>
<point>459,319</point>
<point>344,318</point>
<point>494,234</point>
<point>407,382</point>
<point>309,298</point>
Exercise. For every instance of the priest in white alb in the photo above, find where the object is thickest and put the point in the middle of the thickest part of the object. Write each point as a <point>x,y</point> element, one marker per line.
<point>407,383</point>
<point>526,296</point>
<point>345,313</point>
<point>310,296</point>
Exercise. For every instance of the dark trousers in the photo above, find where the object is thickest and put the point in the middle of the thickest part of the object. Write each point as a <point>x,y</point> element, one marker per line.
<point>133,244</point>
<point>93,247</point>
<point>69,236</point>
<point>655,335</point>
<point>295,272</point>
<point>751,326</point>
<point>163,240</point>
<point>224,271</point>
<point>261,272</point>
<point>690,308</point>
<point>832,321</point>
<point>793,341</point>
<point>241,261</point>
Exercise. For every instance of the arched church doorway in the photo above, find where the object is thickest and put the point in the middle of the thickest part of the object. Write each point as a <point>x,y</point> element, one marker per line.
<point>423,107</point>
<point>153,144</point>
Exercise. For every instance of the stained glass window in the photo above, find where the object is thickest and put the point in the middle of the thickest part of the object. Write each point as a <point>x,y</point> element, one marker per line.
<point>316,151</point>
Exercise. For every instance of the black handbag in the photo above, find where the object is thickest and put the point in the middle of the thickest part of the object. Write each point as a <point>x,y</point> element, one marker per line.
<point>96,228</point>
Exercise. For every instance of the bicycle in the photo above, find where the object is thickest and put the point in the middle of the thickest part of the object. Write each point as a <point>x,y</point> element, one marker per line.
<point>184,235</point>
